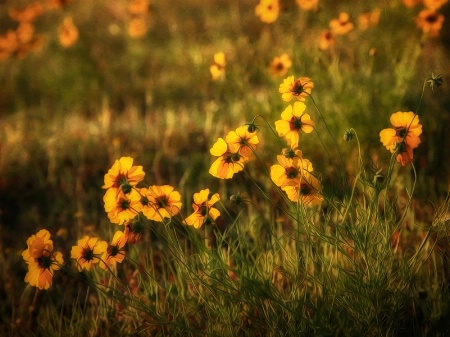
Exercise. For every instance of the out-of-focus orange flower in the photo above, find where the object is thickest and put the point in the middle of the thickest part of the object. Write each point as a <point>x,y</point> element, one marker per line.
<point>306,192</point>
<point>138,7</point>
<point>87,252</point>
<point>68,32</point>
<point>430,22</point>
<point>217,69</point>
<point>280,65</point>
<point>326,40</point>
<point>160,202</point>
<point>8,44</point>
<point>308,5</point>
<point>242,141</point>
<point>27,14</point>
<point>267,10</point>
<point>369,19</point>
<point>114,253</point>
<point>299,88</point>
<point>341,25</point>
<point>434,4</point>
<point>25,32</point>
<point>138,27</point>
<point>203,209</point>
<point>411,3</point>
<point>228,163</point>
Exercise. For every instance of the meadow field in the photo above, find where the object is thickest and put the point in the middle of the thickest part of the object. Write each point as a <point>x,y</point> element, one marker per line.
<point>224,168</point>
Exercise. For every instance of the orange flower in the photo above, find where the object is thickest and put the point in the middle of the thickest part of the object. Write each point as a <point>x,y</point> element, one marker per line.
<point>306,192</point>
<point>122,207</point>
<point>411,3</point>
<point>434,4</point>
<point>88,252</point>
<point>293,120</point>
<point>25,33</point>
<point>203,209</point>
<point>27,14</point>
<point>217,69</point>
<point>430,22</point>
<point>280,65</point>
<point>299,88</point>
<point>242,141</point>
<point>342,25</point>
<point>8,44</point>
<point>403,137</point>
<point>327,40</point>
<point>114,253</point>
<point>267,10</point>
<point>68,32</point>
<point>134,230</point>
<point>41,260</point>
<point>308,5</point>
<point>160,202</point>
<point>290,171</point>
<point>137,27</point>
<point>137,7</point>
<point>123,175</point>
<point>369,19</point>
<point>228,162</point>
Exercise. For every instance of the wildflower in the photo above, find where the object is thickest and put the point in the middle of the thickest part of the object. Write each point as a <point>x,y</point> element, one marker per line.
<point>434,4</point>
<point>267,10</point>
<point>289,171</point>
<point>299,88</point>
<point>134,230</point>
<point>27,14</point>
<point>87,252</point>
<point>403,137</point>
<point>308,5</point>
<point>293,120</point>
<point>25,33</point>
<point>68,33</point>
<point>349,135</point>
<point>217,69</point>
<point>369,19</point>
<point>160,202</point>
<point>280,65</point>
<point>326,40</point>
<point>8,44</point>
<point>41,260</point>
<point>242,141</point>
<point>435,81</point>
<point>342,25</point>
<point>228,162</point>
<point>203,209</point>
<point>430,22</point>
<point>306,192</point>
<point>138,7</point>
<point>123,175</point>
<point>137,27</point>
<point>292,152</point>
<point>122,207</point>
<point>114,253</point>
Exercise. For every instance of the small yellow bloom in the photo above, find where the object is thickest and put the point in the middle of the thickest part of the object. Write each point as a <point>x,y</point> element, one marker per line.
<point>242,141</point>
<point>122,207</point>
<point>123,176</point>
<point>160,202</point>
<point>280,65</point>
<point>293,120</point>
<point>228,162</point>
<point>203,209</point>
<point>369,19</point>
<point>68,32</point>
<point>290,171</point>
<point>326,40</point>
<point>267,10</point>
<point>88,252</point>
<point>217,69</point>
<point>430,22</point>
<point>308,5</point>
<point>114,253</point>
<point>341,25</point>
<point>299,88</point>
<point>38,244</point>
<point>307,191</point>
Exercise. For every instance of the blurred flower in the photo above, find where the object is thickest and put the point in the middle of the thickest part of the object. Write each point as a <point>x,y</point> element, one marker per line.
<point>25,32</point>
<point>122,207</point>
<point>280,65</point>
<point>327,40</point>
<point>137,27</point>
<point>137,7</point>
<point>430,22</point>
<point>160,202</point>
<point>87,252</point>
<point>8,44</point>
<point>299,88</point>
<point>341,25</point>
<point>114,253</point>
<point>411,3</point>
<point>123,175</point>
<point>308,5</point>
<point>217,69</point>
<point>68,32</point>
<point>56,4</point>
<point>289,171</point>
<point>435,81</point>
<point>228,162</point>
<point>434,4</point>
<point>27,14</point>
<point>369,19</point>
<point>203,209</point>
<point>267,10</point>
<point>293,120</point>
<point>307,191</point>
<point>242,141</point>
<point>403,137</point>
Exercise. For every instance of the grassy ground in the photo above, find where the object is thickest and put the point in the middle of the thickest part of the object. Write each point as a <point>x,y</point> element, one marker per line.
<point>68,112</point>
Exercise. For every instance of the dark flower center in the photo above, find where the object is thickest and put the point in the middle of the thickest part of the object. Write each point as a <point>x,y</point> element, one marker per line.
<point>305,189</point>
<point>162,201</point>
<point>402,132</point>
<point>297,88</point>
<point>291,172</point>
<point>432,18</point>
<point>295,123</point>
<point>88,254</point>
<point>124,204</point>
<point>112,250</point>
<point>44,262</point>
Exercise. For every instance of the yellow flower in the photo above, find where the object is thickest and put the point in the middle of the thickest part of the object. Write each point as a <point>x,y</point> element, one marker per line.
<point>267,10</point>
<point>228,162</point>
<point>123,175</point>
<point>290,171</point>
<point>306,192</point>
<point>299,88</point>
<point>342,25</point>
<point>68,33</point>
<point>280,65</point>
<point>137,27</point>
<point>434,4</point>
<point>88,252</point>
<point>160,202</point>
<point>403,137</point>
<point>203,209</point>
<point>242,141</point>
<point>308,5</point>
<point>369,19</point>
<point>38,244</point>
<point>326,40</point>
<point>217,69</point>
<point>122,207</point>
<point>430,22</point>
<point>293,120</point>
<point>114,253</point>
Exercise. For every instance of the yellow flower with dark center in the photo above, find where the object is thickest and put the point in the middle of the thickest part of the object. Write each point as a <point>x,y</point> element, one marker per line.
<point>430,22</point>
<point>242,141</point>
<point>122,207</point>
<point>293,120</point>
<point>280,65</point>
<point>341,25</point>
<point>326,40</point>
<point>114,253</point>
<point>160,202</point>
<point>228,162</point>
<point>88,252</point>
<point>307,191</point>
<point>123,175</point>
<point>299,88</point>
<point>203,209</point>
<point>267,10</point>
<point>217,69</point>
<point>289,171</point>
